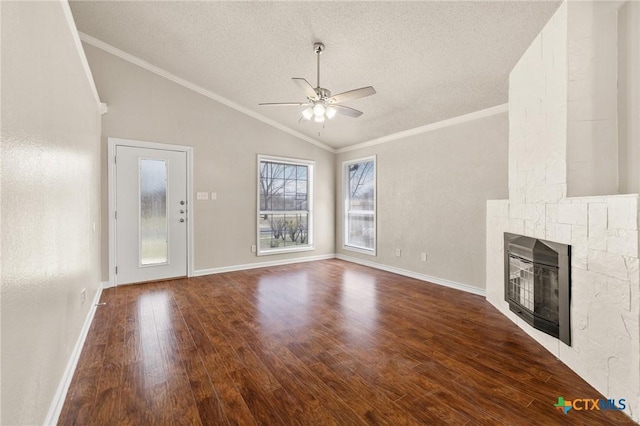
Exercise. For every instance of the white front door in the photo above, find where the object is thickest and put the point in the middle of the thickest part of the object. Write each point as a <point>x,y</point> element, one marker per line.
<point>151,214</point>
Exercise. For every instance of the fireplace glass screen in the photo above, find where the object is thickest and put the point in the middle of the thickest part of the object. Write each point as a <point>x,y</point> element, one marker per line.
<point>538,283</point>
<point>534,287</point>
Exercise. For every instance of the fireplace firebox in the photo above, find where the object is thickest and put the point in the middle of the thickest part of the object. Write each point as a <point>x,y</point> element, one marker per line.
<point>538,283</point>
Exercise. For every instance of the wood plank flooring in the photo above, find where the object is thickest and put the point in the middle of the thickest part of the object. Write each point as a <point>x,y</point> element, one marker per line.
<point>319,343</point>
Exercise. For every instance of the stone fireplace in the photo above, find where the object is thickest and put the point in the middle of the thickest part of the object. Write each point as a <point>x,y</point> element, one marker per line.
<point>537,283</point>
<point>563,189</point>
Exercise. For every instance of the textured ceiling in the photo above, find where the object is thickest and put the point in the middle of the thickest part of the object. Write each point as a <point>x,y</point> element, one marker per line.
<point>428,61</point>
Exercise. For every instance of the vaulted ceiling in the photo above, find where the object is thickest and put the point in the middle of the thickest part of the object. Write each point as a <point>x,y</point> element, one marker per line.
<point>428,61</point>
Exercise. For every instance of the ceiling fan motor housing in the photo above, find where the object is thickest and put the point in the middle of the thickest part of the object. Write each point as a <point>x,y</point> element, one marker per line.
<point>323,94</point>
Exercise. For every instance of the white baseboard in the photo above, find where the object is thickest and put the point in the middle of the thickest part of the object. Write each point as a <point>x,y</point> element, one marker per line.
<point>422,277</point>
<point>61,393</point>
<point>416,275</point>
<point>232,268</point>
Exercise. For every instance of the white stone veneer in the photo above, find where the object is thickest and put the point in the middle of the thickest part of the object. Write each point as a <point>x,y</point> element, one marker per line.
<point>602,230</point>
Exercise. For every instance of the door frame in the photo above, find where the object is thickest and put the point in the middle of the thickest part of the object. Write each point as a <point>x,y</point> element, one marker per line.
<point>113,143</point>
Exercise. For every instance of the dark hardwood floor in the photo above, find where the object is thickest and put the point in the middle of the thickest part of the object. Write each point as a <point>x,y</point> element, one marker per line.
<point>320,343</point>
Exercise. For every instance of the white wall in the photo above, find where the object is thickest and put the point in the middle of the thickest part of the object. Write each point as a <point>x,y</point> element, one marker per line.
<point>602,230</point>
<point>50,202</point>
<point>592,110</point>
<point>432,191</point>
<point>629,96</point>
<point>145,106</point>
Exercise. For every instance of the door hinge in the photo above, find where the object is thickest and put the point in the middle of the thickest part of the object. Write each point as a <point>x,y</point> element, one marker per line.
<point>115,214</point>
<point>116,270</point>
<point>115,159</point>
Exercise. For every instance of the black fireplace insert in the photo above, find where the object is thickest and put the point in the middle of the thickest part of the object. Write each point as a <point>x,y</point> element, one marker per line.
<point>538,283</point>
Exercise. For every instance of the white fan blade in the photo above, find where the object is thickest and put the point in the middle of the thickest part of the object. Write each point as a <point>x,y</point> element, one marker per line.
<point>352,94</point>
<point>306,88</point>
<point>345,110</point>
<point>285,103</point>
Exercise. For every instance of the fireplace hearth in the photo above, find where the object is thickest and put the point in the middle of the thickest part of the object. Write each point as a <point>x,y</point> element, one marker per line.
<point>538,283</point>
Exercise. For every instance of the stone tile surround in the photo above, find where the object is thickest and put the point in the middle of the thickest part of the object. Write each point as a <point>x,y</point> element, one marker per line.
<point>605,284</point>
<point>602,230</point>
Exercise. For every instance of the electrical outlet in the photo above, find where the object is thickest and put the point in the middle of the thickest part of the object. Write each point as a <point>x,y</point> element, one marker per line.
<point>423,257</point>
<point>253,248</point>
<point>398,252</point>
<point>214,195</point>
<point>83,296</point>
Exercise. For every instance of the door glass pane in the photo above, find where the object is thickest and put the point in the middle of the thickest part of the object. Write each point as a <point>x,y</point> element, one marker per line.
<point>153,212</point>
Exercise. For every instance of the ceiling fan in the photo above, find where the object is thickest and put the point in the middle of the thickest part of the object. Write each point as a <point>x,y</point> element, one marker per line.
<point>320,104</point>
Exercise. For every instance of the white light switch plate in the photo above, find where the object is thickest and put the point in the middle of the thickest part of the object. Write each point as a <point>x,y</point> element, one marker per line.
<point>202,195</point>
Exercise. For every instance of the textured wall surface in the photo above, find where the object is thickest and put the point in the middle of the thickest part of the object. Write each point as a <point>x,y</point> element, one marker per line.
<point>50,204</point>
<point>432,190</point>
<point>592,106</point>
<point>629,97</point>
<point>145,106</point>
<point>602,230</point>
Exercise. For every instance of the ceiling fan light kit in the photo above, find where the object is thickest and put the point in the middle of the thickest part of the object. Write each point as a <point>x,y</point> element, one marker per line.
<point>320,104</point>
<point>307,113</point>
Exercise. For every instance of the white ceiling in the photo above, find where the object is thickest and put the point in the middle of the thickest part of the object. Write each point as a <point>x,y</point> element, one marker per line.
<point>428,61</point>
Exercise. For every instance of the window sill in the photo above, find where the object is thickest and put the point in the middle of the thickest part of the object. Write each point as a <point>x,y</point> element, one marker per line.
<point>285,250</point>
<point>370,252</point>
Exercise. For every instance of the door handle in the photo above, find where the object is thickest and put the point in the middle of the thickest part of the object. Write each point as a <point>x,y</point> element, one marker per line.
<point>181,219</point>
<point>182,203</point>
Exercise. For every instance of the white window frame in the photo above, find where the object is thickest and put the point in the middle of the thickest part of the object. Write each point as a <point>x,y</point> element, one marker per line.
<point>310,234</point>
<point>345,206</point>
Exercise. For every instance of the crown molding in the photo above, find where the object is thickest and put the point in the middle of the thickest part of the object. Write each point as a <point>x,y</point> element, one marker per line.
<point>76,35</point>
<point>499,109</point>
<point>198,89</point>
<point>214,96</point>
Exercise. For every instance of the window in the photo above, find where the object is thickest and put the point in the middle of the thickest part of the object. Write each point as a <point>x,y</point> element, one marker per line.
<point>285,205</point>
<point>360,205</point>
